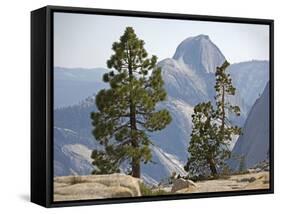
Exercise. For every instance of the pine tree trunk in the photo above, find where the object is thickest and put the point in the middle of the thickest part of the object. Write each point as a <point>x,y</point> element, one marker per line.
<point>135,168</point>
<point>135,161</point>
<point>223,113</point>
<point>212,166</point>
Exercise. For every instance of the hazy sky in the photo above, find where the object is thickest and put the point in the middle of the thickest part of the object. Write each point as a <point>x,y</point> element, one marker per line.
<point>82,40</point>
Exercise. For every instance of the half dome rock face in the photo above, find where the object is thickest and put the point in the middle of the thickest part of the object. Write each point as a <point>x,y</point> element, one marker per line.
<point>182,82</point>
<point>192,68</point>
<point>200,53</point>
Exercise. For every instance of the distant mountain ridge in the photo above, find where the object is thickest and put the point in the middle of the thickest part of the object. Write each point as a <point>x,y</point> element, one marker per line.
<point>189,79</point>
<point>250,86</point>
<point>252,146</point>
<point>79,83</point>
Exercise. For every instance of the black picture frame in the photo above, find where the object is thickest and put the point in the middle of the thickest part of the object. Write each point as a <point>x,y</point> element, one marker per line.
<point>42,104</point>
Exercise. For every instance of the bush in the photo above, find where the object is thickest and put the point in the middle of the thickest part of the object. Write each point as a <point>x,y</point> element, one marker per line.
<point>146,191</point>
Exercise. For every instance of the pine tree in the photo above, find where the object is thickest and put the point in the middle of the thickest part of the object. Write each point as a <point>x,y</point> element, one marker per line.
<point>224,88</point>
<point>212,131</point>
<point>127,111</point>
<point>203,149</point>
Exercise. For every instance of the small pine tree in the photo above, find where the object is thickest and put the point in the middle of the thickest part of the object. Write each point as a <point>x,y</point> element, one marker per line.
<point>212,132</point>
<point>127,111</point>
<point>204,151</point>
<point>225,88</point>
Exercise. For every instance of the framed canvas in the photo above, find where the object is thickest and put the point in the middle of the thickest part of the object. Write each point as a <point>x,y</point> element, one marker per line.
<point>131,106</point>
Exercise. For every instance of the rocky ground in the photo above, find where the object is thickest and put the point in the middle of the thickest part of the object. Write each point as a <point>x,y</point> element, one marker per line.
<point>256,177</point>
<point>68,188</point>
<point>249,181</point>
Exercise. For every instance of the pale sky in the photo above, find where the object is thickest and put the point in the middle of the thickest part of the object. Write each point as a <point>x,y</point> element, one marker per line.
<point>85,41</point>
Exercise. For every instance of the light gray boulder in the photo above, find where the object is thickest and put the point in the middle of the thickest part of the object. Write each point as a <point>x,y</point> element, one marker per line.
<point>68,188</point>
<point>179,184</point>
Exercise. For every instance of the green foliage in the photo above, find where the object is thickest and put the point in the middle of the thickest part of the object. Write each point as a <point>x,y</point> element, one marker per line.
<point>204,149</point>
<point>105,162</point>
<point>127,111</point>
<point>146,191</point>
<point>212,132</point>
<point>223,89</point>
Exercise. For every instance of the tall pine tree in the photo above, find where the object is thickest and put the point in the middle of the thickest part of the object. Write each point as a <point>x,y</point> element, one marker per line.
<point>127,111</point>
<point>212,131</point>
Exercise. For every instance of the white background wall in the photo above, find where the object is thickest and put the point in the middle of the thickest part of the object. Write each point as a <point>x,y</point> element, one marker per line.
<point>15,105</point>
